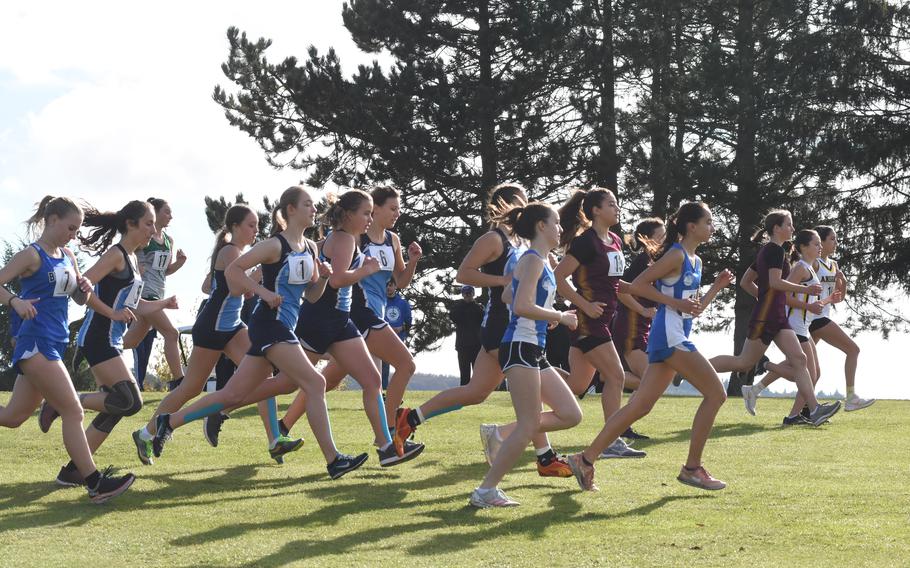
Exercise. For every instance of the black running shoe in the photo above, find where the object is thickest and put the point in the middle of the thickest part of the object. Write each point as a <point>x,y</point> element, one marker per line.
<point>109,486</point>
<point>631,434</point>
<point>345,464</point>
<point>823,412</point>
<point>798,420</point>
<point>805,412</point>
<point>677,380</point>
<point>211,427</point>
<point>760,368</point>
<point>46,416</point>
<point>163,433</point>
<point>284,445</point>
<point>388,457</point>
<point>67,478</point>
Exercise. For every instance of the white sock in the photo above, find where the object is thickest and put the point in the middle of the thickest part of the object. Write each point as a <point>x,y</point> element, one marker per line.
<point>385,447</point>
<point>543,450</point>
<point>144,434</point>
<point>757,388</point>
<point>496,433</point>
<point>420,415</point>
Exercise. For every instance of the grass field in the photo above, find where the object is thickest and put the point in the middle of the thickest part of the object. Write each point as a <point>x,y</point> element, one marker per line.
<point>836,495</point>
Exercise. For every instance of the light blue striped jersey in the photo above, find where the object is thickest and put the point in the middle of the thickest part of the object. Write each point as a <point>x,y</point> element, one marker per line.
<point>372,289</point>
<point>288,277</point>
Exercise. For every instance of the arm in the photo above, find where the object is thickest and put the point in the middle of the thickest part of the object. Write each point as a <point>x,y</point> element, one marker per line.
<point>265,252</point>
<point>630,302</point>
<point>724,279</point>
<point>207,284</point>
<point>340,248</point>
<point>404,273</point>
<point>23,263</point>
<point>112,260</point>
<point>485,250</point>
<point>146,307</point>
<point>840,284</point>
<point>563,271</point>
<point>527,272</point>
<point>776,282</point>
<point>178,263</point>
<point>748,282</point>
<point>796,275</point>
<point>316,288</point>
<point>668,264</point>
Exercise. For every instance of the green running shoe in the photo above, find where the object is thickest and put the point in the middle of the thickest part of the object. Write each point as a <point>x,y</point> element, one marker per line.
<point>284,445</point>
<point>143,448</point>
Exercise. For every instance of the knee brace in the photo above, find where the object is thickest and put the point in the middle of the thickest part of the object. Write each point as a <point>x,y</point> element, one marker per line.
<point>105,422</point>
<point>123,399</point>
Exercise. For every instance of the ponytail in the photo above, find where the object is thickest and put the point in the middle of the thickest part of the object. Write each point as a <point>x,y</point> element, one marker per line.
<point>233,217</point>
<point>504,197</point>
<point>641,239</point>
<point>50,205</point>
<point>157,203</point>
<point>576,214</point>
<point>339,206</point>
<point>678,223</point>
<point>522,220</point>
<point>289,196</point>
<point>774,218</point>
<point>108,224</point>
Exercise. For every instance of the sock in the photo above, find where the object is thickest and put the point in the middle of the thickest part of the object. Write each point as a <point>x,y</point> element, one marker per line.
<point>70,466</point>
<point>383,419</point>
<point>545,455</point>
<point>793,415</point>
<point>385,447</point>
<point>272,405</point>
<point>850,393</point>
<point>438,412</point>
<point>144,434</point>
<point>203,412</point>
<point>91,481</point>
<point>758,387</point>
<point>415,418</point>
<point>283,428</point>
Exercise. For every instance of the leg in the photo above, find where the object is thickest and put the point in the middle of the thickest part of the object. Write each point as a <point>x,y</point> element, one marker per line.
<point>487,376</point>
<point>200,365</point>
<point>136,332</point>
<point>160,321</point>
<point>606,360</point>
<point>22,403</point>
<point>120,397</point>
<point>638,362</point>
<point>464,366</point>
<point>811,359</point>
<point>703,377</point>
<point>752,351</point>
<point>796,365</point>
<point>385,344</point>
<point>525,391</point>
<point>582,371</point>
<point>359,364</point>
<point>555,393</point>
<point>835,336</point>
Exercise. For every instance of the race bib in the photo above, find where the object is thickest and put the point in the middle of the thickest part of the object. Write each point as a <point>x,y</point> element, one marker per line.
<point>617,263</point>
<point>64,281</point>
<point>300,268</point>
<point>161,259</point>
<point>132,298</point>
<point>689,294</point>
<point>385,254</point>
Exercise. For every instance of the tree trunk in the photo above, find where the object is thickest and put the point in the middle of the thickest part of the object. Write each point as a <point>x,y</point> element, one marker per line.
<point>747,202</point>
<point>607,166</point>
<point>659,120</point>
<point>486,98</point>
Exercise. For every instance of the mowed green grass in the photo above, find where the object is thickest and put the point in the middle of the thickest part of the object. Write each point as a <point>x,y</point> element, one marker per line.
<point>836,495</point>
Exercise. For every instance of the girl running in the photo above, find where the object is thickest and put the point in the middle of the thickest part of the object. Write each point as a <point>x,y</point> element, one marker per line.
<point>49,276</point>
<point>114,304</point>
<point>157,261</point>
<point>632,324</point>
<point>290,269</point>
<point>522,352</point>
<point>595,262</point>
<point>769,320</point>
<point>368,305</point>
<point>827,330</point>
<point>488,264</point>
<point>673,282</point>
<point>217,330</point>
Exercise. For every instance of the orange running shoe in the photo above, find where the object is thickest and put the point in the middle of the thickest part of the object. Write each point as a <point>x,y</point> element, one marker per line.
<point>558,467</point>
<point>403,430</point>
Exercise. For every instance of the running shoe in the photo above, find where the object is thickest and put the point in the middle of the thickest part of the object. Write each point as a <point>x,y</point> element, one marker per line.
<point>760,368</point>
<point>285,431</point>
<point>389,457</point>
<point>557,467</point>
<point>109,486</point>
<point>46,416</point>
<point>403,429</point>
<point>823,412</point>
<point>857,403</point>
<point>750,398</point>
<point>344,464</point>
<point>805,412</point>
<point>162,435</point>
<point>143,448</point>
<point>699,478</point>
<point>619,449</point>
<point>798,420</point>
<point>631,434</point>
<point>489,437</point>
<point>584,473</point>
<point>211,427</point>
<point>69,478</point>
<point>678,379</point>
<point>284,445</point>
<point>487,498</point>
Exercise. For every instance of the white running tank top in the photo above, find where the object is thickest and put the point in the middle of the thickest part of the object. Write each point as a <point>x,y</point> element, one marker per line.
<point>827,272</point>
<point>798,317</point>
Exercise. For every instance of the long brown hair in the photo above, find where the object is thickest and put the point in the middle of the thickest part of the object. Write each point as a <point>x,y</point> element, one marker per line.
<point>577,213</point>
<point>50,205</point>
<point>233,217</point>
<point>108,224</point>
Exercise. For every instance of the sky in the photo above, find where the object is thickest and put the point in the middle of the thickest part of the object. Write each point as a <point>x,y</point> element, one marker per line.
<point>111,101</point>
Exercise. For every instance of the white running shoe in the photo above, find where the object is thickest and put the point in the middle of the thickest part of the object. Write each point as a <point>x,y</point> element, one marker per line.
<point>750,398</point>
<point>857,403</point>
<point>619,449</point>
<point>489,437</point>
<point>486,498</point>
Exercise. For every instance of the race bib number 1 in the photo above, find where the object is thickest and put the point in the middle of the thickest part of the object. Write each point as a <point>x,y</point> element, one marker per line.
<point>300,268</point>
